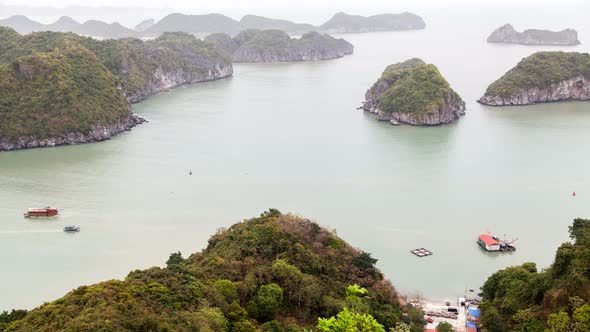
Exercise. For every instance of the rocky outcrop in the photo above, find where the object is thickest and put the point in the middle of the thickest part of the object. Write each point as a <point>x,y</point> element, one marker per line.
<point>401,96</point>
<point>507,34</point>
<point>540,78</point>
<point>277,46</point>
<point>163,79</point>
<point>98,133</point>
<point>576,88</point>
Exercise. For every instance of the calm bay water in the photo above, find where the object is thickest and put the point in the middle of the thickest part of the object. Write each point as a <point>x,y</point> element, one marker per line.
<point>288,136</point>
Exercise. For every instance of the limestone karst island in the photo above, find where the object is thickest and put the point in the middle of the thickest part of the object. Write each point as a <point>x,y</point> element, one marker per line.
<point>415,93</point>
<point>294,166</point>
<point>540,78</point>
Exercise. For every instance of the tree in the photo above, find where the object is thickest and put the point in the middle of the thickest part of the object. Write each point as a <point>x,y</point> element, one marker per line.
<point>347,321</point>
<point>364,261</point>
<point>444,327</point>
<point>581,318</point>
<point>174,260</point>
<point>289,277</point>
<point>354,298</point>
<point>400,327</point>
<point>559,322</point>
<point>268,301</point>
<point>580,230</point>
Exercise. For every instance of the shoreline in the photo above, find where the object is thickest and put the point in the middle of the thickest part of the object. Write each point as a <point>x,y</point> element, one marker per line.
<point>97,134</point>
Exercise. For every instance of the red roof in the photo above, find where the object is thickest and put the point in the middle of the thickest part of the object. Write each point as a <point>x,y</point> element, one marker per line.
<point>488,240</point>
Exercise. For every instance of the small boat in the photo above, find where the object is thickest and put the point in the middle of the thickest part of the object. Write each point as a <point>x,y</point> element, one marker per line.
<point>71,228</point>
<point>41,212</point>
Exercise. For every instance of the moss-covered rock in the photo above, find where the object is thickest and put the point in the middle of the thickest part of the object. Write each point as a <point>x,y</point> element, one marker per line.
<point>542,77</point>
<point>414,92</point>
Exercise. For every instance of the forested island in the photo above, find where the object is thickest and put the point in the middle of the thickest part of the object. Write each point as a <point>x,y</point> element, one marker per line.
<point>345,23</point>
<point>521,298</point>
<point>277,46</point>
<point>413,92</point>
<point>507,34</point>
<point>540,78</point>
<point>60,88</point>
<point>276,272</point>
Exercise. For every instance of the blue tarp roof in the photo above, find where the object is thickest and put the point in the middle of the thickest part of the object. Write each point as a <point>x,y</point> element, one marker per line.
<point>471,325</point>
<point>474,312</point>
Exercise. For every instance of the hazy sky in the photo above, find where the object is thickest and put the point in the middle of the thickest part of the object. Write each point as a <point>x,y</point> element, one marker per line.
<point>287,4</point>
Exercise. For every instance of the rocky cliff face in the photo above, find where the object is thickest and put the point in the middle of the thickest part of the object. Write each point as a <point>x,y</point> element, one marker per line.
<point>163,79</point>
<point>277,46</point>
<point>402,96</point>
<point>576,88</point>
<point>97,134</point>
<point>507,34</point>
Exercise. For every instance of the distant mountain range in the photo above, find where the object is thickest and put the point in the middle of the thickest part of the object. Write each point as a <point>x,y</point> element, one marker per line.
<point>94,28</point>
<point>217,23</point>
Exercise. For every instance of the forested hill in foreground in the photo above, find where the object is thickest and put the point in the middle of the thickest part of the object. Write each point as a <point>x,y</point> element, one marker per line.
<point>557,299</point>
<point>61,88</point>
<point>276,272</point>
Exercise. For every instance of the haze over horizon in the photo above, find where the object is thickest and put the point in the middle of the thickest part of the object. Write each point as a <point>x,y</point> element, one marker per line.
<point>305,11</point>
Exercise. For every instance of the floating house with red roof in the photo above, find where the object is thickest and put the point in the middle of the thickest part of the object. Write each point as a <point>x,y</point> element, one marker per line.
<point>488,242</point>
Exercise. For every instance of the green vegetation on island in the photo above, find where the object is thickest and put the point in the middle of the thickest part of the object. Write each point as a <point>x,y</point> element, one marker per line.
<point>138,64</point>
<point>61,88</point>
<point>557,299</point>
<point>276,272</point>
<point>54,93</point>
<point>539,71</point>
<point>278,46</point>
<point>414,92</point>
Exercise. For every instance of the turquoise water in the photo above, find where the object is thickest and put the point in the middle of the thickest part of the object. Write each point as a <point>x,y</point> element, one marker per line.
<point>288,136</point>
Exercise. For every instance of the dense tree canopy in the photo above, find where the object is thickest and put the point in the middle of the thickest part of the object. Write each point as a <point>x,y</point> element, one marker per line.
<point>524,299</point>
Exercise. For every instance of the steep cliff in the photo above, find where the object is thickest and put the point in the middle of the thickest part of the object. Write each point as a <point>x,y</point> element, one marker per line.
<point>540,78</point>
<point>277,46</point>
<point>166,62</point>
<point>413,92</point>
<point>507,34</point>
